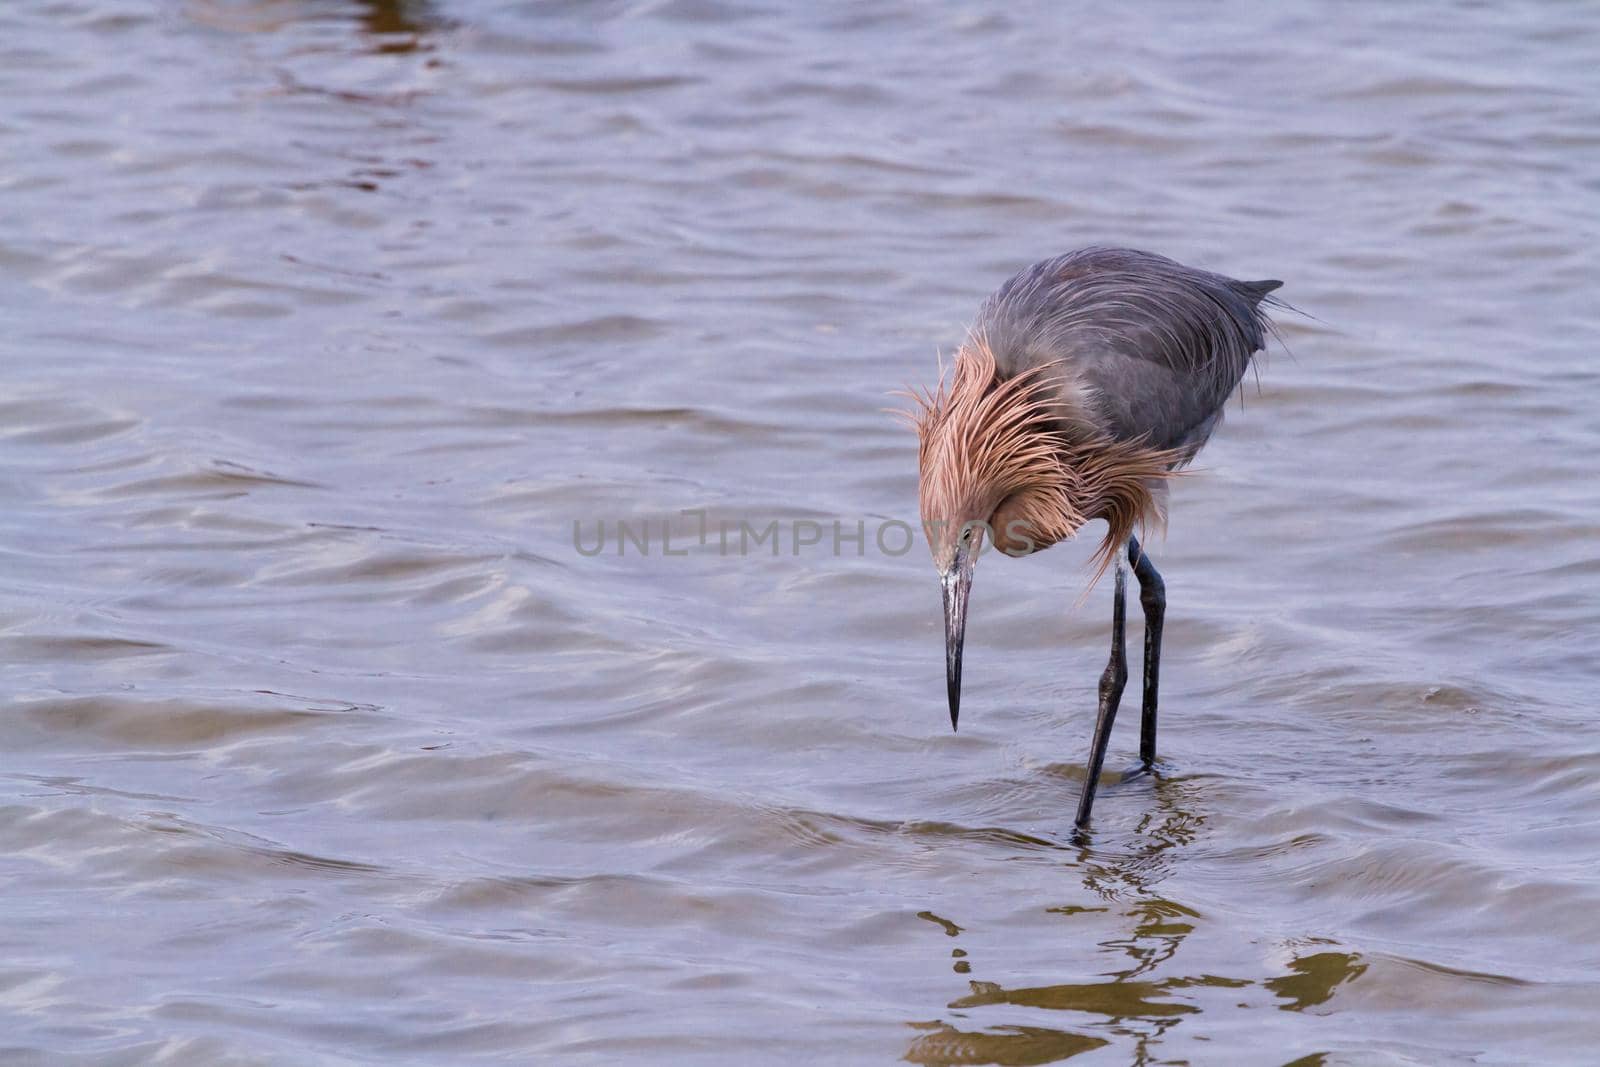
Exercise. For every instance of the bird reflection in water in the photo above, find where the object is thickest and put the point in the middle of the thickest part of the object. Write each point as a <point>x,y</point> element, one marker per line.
<point>1131,1003</point>
<point>1312,978</point>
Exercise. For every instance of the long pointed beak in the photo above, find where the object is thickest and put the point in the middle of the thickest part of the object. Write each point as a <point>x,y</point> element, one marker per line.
<point>957,584</point>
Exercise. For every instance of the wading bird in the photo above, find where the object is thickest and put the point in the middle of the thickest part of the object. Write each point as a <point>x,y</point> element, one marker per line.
<point>1086,382</point>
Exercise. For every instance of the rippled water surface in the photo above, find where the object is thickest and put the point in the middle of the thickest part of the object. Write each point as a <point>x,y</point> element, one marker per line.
<point>323,322</point>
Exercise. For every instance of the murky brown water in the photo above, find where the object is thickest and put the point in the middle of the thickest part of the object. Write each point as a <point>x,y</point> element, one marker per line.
<point>324,321</point>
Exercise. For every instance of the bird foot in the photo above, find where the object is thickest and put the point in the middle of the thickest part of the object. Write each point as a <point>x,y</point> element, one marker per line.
<point>1136,770</point>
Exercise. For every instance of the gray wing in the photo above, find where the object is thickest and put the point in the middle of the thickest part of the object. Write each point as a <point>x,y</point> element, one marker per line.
<point>1146,348</point>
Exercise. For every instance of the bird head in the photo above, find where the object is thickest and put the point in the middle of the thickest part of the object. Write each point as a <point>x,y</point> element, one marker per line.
<point>991,470</point>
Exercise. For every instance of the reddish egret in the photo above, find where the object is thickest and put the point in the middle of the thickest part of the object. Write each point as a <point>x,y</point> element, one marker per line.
<point>1086,381</point>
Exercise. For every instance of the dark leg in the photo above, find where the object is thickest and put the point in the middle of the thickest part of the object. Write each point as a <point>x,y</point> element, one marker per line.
<point>1111,683</point>
<point>1153,597</point>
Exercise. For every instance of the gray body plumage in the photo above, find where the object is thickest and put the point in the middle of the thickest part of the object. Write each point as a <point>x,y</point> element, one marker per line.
<point>1142,348</point>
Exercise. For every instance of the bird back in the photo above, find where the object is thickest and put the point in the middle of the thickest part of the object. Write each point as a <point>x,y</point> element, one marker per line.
<point>1142,348</point>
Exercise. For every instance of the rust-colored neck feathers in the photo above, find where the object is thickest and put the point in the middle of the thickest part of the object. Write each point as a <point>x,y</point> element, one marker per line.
<point>999,453</point>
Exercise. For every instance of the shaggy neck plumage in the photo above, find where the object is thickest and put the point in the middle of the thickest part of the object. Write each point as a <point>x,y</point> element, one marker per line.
<point>992,450</point>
